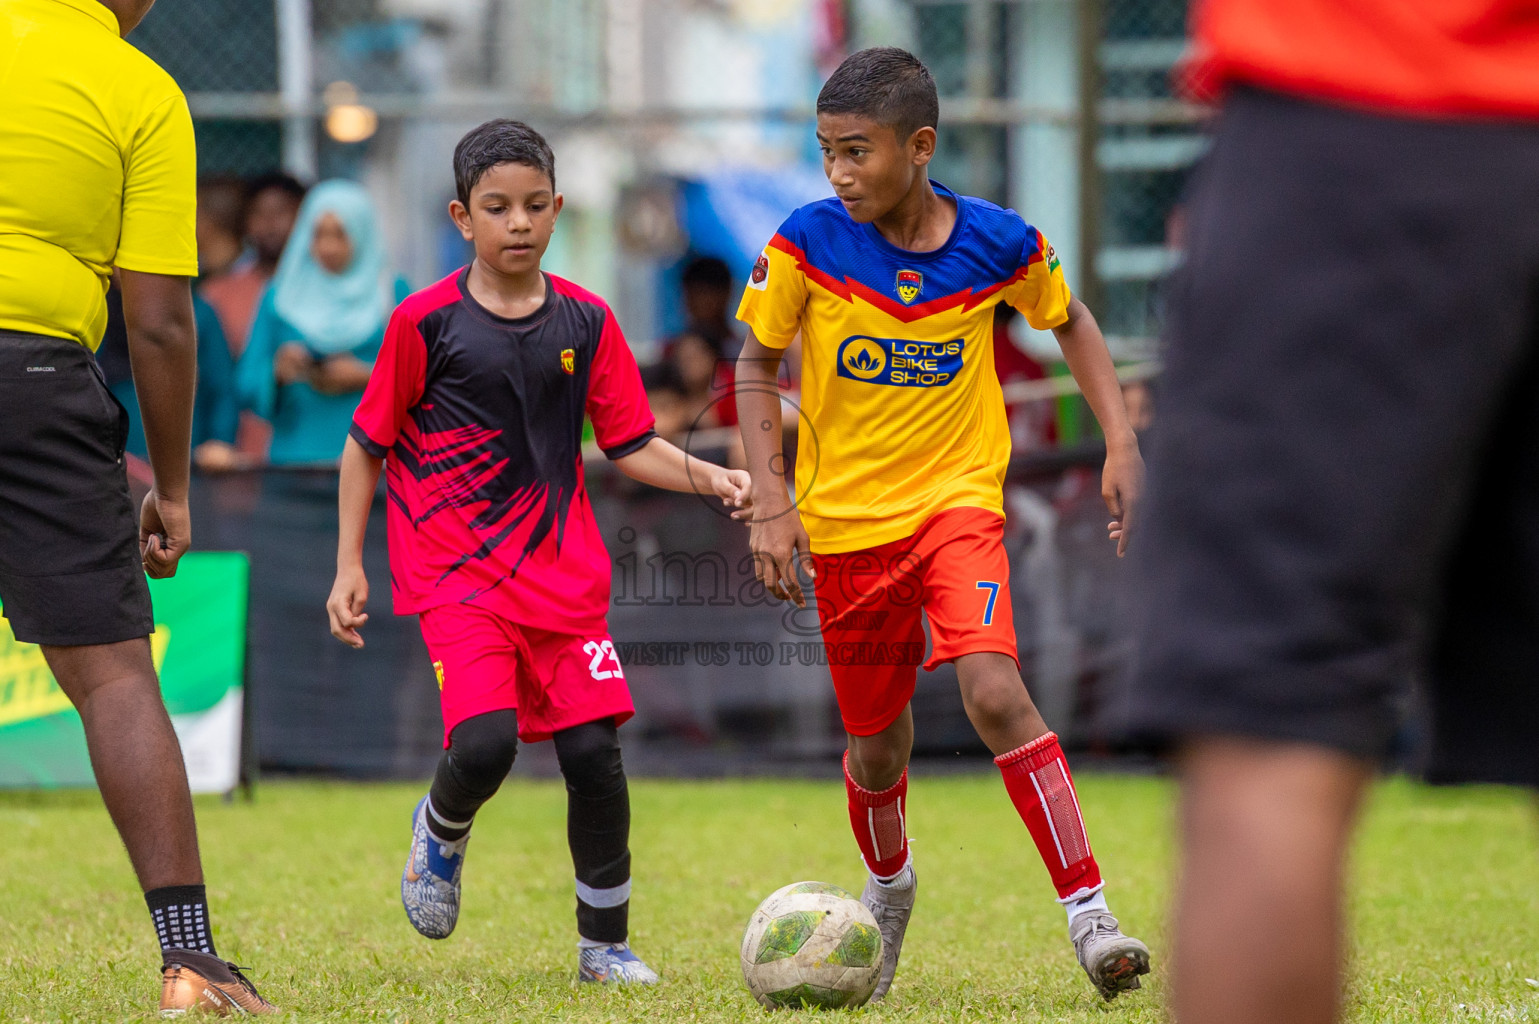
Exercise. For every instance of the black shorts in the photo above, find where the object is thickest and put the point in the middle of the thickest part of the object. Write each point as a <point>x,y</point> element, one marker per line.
<point>70,570</point>
<point>1344,470</point>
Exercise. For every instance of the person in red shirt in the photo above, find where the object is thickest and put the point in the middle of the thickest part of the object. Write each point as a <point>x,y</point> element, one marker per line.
<point>1032,424</point>
<point>475,407</point>
<point>271,205</point>
<point>1343,474</point>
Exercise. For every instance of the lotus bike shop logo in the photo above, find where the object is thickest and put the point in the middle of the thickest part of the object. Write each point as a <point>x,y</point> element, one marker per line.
<point>910,283</point>
<point>900,362</point>
<point>862,358</point>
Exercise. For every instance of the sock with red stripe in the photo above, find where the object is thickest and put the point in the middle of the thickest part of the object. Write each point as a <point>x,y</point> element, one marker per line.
<point>1038,781</point>
<point>877,819</point>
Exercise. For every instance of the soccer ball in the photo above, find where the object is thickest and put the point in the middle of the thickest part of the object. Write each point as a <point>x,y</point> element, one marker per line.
<point>811,944</point>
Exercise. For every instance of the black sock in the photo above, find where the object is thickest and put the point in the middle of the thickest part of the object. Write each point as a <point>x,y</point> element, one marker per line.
<point>180,913</point>
<point>480,755</point>
<point>598,828</point>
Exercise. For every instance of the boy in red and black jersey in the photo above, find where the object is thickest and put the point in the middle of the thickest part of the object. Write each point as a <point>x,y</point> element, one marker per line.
<point>475,408</point>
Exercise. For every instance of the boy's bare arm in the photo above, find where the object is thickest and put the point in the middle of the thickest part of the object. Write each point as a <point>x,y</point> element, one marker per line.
<point>777,538</point>
<point>355,495</point>
<point>1084,349</point>
<point>664,465</point>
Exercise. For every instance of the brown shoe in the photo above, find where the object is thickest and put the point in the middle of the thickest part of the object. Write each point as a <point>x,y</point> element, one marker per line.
<point>197,981</point>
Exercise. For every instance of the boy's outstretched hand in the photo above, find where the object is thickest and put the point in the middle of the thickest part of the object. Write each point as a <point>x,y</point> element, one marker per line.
<point>349,595</point>
<point>735,489</point>
<point>1122,482</point>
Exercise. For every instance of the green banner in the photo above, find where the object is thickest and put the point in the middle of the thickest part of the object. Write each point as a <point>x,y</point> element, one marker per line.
<point>199,649</point>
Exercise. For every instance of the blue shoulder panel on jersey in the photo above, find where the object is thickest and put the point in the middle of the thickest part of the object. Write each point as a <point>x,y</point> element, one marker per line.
<point>987,250</point>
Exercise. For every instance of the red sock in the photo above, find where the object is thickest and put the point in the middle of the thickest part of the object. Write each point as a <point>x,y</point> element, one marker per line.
<point>1038,781</point>
<point>878,823</point>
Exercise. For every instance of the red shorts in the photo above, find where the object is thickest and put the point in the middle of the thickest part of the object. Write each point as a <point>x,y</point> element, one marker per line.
<point>953,569</point>
<point>554,681</point>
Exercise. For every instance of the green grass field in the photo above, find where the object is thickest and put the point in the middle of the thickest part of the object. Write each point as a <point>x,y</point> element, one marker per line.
<point>304,889</point>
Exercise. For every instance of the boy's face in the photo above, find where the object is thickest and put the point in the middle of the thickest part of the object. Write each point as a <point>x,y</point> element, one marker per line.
<point>512,214</point>
<point>870,168</point>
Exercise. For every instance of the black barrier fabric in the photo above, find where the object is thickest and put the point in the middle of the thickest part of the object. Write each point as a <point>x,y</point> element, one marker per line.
<point>725,678</point>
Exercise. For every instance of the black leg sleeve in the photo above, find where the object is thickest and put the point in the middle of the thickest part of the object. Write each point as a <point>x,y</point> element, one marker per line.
<point>480,755</point>
<point>598,827</point>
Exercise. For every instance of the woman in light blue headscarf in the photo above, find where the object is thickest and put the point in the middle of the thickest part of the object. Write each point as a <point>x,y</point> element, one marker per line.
<point>319,326</point>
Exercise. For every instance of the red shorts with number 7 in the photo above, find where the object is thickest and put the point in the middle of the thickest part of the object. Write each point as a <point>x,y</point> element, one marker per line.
<point>485,662</point>
<point>953,569</point>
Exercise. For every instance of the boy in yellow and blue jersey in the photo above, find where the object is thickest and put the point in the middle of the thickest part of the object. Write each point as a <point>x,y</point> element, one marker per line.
<point>899,509</point>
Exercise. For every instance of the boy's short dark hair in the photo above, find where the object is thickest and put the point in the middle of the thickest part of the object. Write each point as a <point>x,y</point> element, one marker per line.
<point>499,141</point>
<point>707,272</point>
<point>275,181</point>
<point>888,85</point>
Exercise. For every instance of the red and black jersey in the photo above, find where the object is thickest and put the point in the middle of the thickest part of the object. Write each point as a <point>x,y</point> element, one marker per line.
<point>479,419</point>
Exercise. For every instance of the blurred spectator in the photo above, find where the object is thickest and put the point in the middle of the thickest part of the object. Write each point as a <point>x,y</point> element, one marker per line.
<point>706,286</point>
<point>271,204</point>
<point>691,389</point>
<point>214,409</point>
<point>1033,425</point>
<point>319,326</point>
<point>220,225</point>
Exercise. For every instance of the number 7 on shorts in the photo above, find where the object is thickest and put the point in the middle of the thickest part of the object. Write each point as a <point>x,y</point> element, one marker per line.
<point>988,609</point>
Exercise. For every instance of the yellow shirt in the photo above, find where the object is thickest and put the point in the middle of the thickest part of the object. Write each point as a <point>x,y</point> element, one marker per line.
<point>901,410</point>
<point>97,167</point>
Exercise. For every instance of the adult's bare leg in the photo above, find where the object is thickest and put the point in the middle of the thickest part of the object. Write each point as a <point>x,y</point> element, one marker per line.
<point>135,754</point>
<point>1264,833</point>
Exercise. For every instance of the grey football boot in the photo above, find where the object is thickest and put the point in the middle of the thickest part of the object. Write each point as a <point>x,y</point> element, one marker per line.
<point>891,907</point>
<point>1112,960</point>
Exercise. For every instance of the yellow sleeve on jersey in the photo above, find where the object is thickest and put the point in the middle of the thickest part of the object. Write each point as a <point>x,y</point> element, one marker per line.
<point>775,296</point>
<point>1040,292</point>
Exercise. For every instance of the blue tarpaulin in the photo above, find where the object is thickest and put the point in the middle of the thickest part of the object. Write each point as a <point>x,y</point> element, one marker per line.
<point>732,213</point>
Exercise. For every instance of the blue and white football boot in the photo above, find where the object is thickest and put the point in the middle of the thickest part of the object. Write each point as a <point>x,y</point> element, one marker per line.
<point>613,964</point>
<point>430,885</point>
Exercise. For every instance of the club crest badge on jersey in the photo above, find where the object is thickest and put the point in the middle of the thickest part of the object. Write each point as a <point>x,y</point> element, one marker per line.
<point>568,361</point>
<point>1052,258</point>
<point>909,284</point>
<point>760,272</point>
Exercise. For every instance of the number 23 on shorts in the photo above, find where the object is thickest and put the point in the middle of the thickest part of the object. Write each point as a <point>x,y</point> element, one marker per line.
<point>601,650</point>
<point>988,609</point>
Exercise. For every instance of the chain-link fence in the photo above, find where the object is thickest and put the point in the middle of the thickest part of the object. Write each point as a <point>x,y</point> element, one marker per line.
<point>1146,142</point>
<point>225,54</point>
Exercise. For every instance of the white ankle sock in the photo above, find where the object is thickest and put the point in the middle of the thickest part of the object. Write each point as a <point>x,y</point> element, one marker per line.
<point>583,943</point>
<point>1086,904</point>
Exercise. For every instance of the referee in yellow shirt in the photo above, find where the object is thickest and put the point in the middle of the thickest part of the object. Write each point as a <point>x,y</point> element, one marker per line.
<point>97,171</point>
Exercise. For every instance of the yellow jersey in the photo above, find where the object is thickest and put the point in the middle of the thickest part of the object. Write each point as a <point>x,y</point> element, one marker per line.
<point>99,167</point>
<point>901,410</point>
